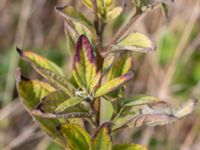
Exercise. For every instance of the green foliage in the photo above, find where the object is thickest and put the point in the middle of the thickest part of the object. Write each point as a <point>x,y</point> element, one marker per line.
<point>135,42</point>
<point>63,107</point>
<point>102,140</point>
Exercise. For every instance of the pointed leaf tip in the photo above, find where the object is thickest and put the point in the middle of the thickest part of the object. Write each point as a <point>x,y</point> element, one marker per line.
<point>113,84</point>
<point>84,65</point>
<point>83,43</point>
<point>20,52</point>
<point>59,8</point>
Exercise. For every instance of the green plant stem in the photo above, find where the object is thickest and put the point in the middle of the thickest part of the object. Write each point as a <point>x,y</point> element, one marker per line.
<point>96,102</point>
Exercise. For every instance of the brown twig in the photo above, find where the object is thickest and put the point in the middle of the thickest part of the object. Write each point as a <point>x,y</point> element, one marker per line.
<point>121,32</point>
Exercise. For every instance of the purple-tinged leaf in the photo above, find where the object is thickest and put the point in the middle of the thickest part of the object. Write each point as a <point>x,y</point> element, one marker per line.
<point>84,65</point>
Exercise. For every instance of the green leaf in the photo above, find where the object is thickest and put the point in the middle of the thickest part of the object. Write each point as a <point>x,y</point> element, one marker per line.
<point>102,140</point>
<point>107,63</point>
<point>135,42</point>
<point>31,92</point>
<point>69,13</point>
<point>77,138</point>
<point>48,70</point>
<point>95,81</point>
<point>114,13</point>
<point>50,102</point>
<point>106,110</point>
<point>108,2</point>
<point>68,103</point>
<point>83,30</point>
<point>102,2</point>
<point>88,3</point>
<point>56,80</point>
<point>73,30</point>
<point>84,65</point>
<point>120,66</point>
<point>128,147</point>
<point>102,5</point>
<point>40,61</point>
<point>71,36</point>
<point>113,84</point>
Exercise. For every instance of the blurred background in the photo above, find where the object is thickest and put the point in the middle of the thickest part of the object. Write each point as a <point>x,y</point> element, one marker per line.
<point>172,73</point>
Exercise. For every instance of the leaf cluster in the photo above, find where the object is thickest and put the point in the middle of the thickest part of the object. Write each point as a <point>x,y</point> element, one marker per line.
<point>94,91</point>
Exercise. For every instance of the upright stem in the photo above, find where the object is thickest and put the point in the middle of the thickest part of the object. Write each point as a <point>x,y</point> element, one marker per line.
<point>96,104</point>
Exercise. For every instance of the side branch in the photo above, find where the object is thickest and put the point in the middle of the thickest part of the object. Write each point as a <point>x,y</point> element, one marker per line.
<point>121,32</point>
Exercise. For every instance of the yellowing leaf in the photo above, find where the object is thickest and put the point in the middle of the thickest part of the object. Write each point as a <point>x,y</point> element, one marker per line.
<point>71,37</point>
<point>77,138</point>
<point>106,111</point>
<point>84,65</point>
<point>102,5</point>
<point>108,2</point>
<point>113,84</point>
<point>95,81</point>
<point>68,103</point>
<point>88,3</point>
<point>102,140</point>
<point>120,66</point>
<point>108,61</point>
<point>48,70</point>
<point>56,80</point>
<point>40,61</point>
<point>114,13</point>
<point>129,147</point>
<point>135,42</point>
<point>31,92</point>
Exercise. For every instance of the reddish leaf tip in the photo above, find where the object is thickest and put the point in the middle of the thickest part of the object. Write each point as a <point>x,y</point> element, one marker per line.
<point>39,107</point>
<point>83,44</point>
<point>128,75</point>
<point>58,127</point>
<point>59,8</point>
<point>20,52</point>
